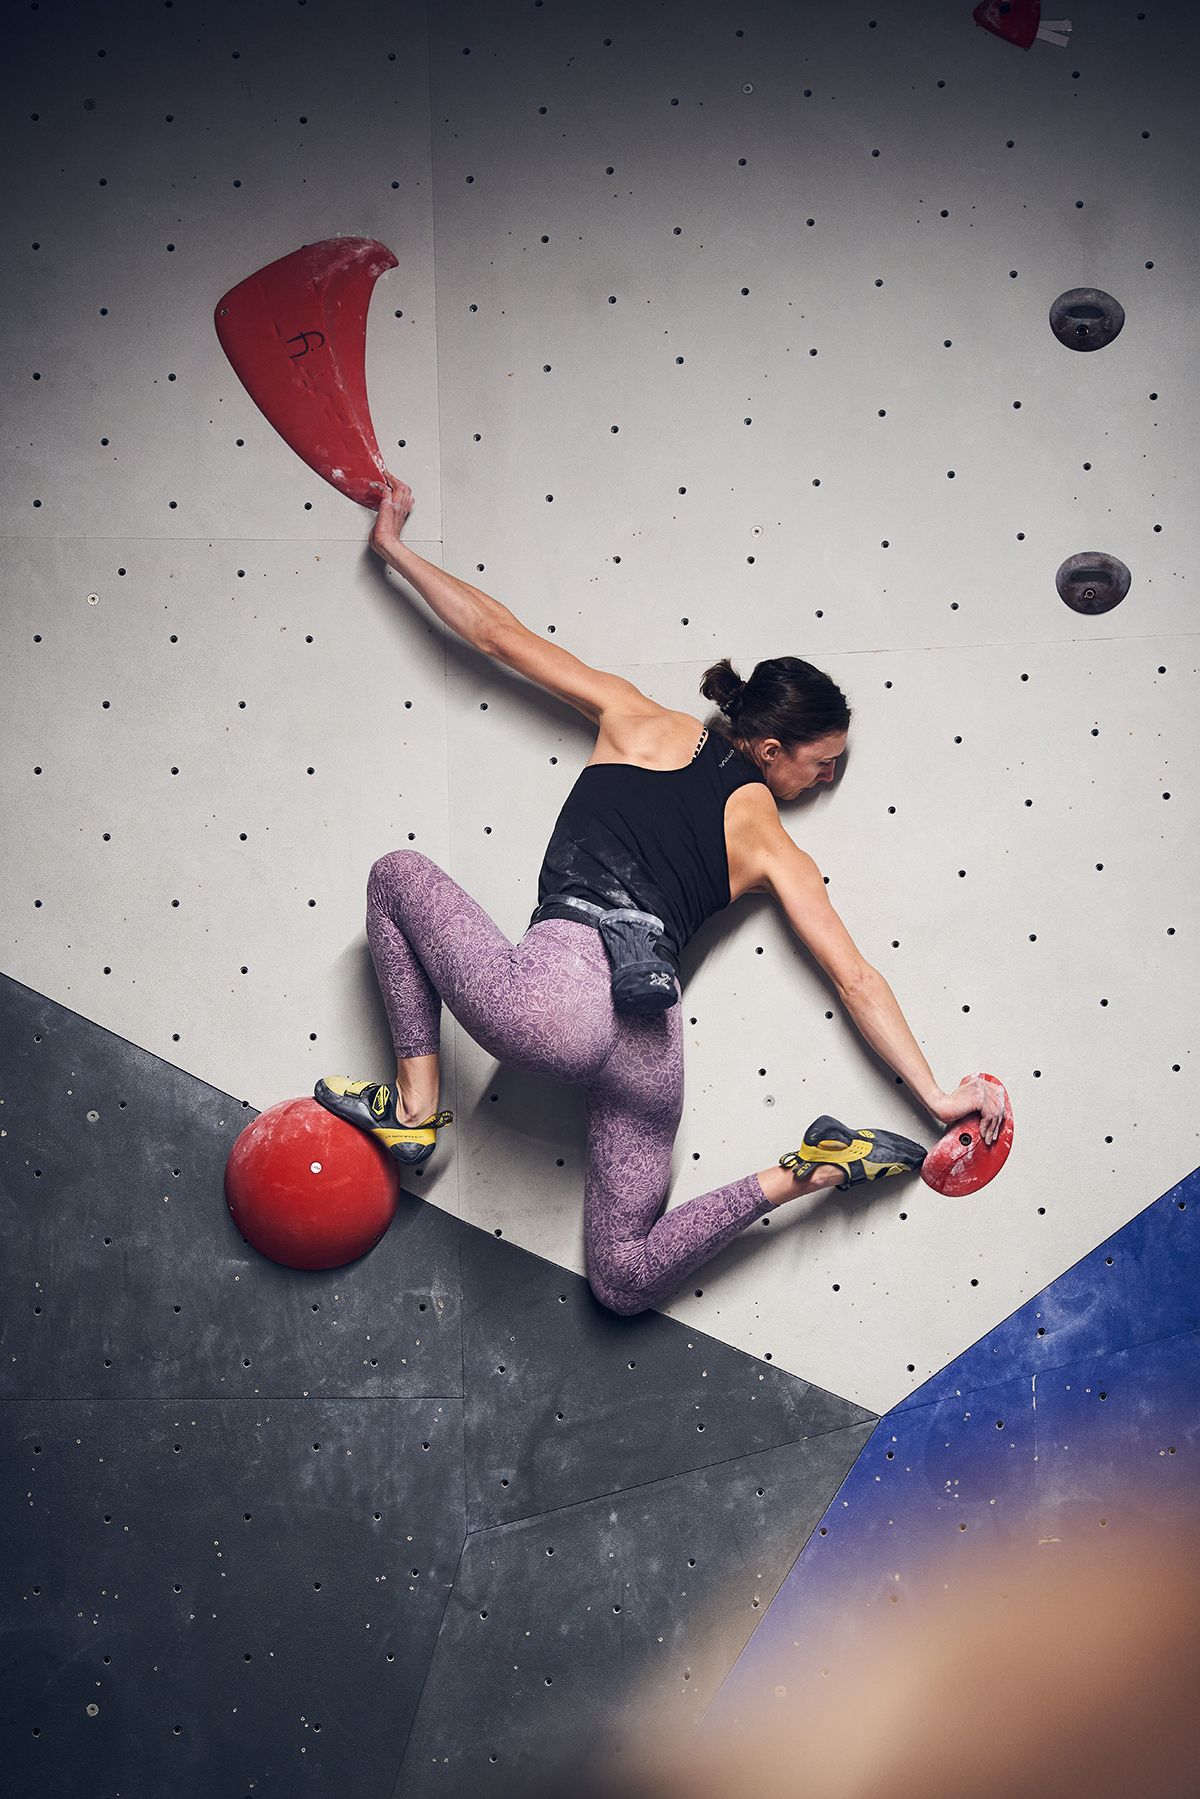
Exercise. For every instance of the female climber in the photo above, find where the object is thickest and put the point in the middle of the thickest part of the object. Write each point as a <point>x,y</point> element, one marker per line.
<point>669,822</point>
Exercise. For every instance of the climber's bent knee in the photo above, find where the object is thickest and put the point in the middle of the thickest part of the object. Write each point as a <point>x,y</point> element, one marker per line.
<point>625,1305</point>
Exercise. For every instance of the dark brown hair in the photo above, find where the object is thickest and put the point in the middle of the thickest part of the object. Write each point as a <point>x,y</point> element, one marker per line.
<point>784,698</point>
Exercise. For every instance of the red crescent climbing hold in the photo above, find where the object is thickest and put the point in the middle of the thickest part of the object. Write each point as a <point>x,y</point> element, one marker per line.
<point>296,335</point>
<point>961,1162</point>
<point>1016,21</point>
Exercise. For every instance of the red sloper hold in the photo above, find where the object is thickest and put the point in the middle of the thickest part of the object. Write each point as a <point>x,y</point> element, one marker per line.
<point>961,1162</point>
<point>1016,21</point>
<point>296,335</point>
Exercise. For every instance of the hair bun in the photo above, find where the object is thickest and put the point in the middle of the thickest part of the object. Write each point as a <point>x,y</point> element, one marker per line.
<point>725,688</point>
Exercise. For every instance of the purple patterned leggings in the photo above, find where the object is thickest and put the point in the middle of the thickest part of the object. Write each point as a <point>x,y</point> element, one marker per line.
<point>545,1004</point>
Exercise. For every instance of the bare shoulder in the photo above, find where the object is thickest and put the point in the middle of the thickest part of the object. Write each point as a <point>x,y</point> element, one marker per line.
<point>650,735</point>
<point>751,827</point>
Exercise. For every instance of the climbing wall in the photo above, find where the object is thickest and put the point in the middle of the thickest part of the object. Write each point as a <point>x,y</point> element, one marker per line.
<point>788,331</point>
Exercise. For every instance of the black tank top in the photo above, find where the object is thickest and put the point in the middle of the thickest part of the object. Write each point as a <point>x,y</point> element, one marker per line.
<point>649,838</point>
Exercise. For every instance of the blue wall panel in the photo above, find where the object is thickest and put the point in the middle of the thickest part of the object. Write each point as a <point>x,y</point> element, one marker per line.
<point>1080,1412</point>
<point>1143,1282</point>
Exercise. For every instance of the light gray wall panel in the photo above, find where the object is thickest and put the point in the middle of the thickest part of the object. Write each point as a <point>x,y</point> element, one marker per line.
<point>198,817</point>
<point>952,613</point>
<point>966,973</point>
<point>186,209</point>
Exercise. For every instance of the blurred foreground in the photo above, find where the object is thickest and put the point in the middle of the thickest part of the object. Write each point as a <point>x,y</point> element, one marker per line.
<point>1067,1670</point>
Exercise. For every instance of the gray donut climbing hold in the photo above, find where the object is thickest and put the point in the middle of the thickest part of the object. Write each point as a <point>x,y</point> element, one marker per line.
<point>1086,318</point>
<point>1092,581</point>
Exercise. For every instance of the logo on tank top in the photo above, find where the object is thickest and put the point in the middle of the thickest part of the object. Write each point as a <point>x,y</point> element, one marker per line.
<point>724,760</point>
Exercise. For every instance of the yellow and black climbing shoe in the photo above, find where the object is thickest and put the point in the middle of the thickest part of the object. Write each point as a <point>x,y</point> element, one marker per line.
<point>862,1155</point>
<point>371,1105</point>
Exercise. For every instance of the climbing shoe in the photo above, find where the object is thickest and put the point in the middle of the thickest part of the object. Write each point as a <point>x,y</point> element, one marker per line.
<point>862,1155</point>
<point>371,1105</point>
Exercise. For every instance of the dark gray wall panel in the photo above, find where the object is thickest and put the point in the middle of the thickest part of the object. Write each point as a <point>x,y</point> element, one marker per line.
<point>565,1400</point>
<point>560,1626</point>
<point>625,1494</point>
<point>124,1273</point>
<point>137,1584</point>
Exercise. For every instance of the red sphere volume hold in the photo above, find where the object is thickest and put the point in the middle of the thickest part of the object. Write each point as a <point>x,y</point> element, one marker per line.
<point>309,1190</point>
